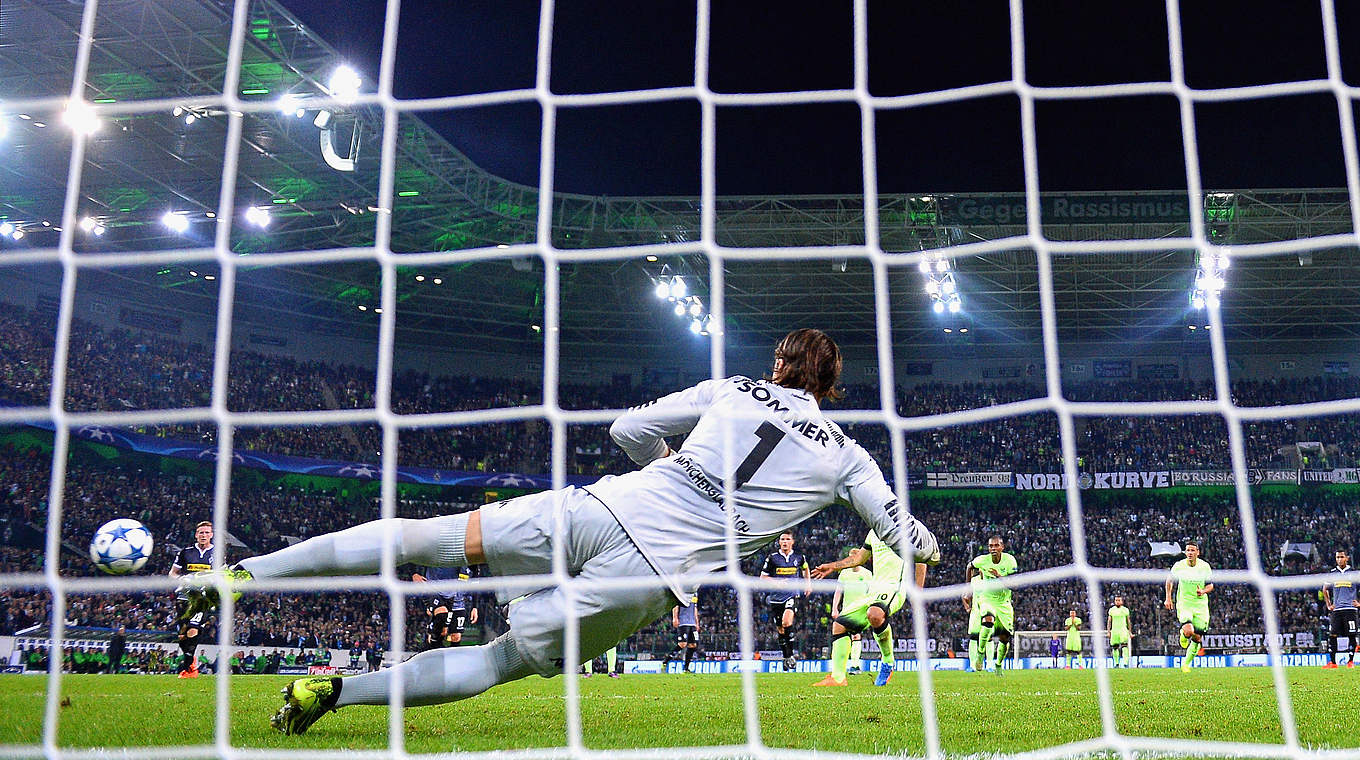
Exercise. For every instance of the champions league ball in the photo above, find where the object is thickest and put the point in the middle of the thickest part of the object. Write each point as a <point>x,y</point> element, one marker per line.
<point>121,546</point>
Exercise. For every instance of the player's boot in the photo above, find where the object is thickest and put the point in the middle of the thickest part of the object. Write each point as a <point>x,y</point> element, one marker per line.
<point>305,700</point>
<point>1330,666</point>
<point>885,671</point>
<point>200,589</point>
<point>790,664</point>
<point>829,681</point>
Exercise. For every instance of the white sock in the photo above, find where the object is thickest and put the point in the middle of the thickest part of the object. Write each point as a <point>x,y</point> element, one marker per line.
<point>437,541</point>
<point>439,675</point>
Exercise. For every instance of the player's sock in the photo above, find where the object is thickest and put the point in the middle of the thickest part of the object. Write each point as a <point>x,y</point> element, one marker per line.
<point>689,656</point>
<point>440,675</point>
<point>985,638</point>
<point>857,652</point>
<point>437,541</point>
<point>187,647</point>
<point>589,665</point>
<point>884,638</point>
<point>1002,648</point>
<point>840,655</point>
<point>1191,650</point>
<point>786,642</point>
<point>611,658</point>
<point>974,658</point>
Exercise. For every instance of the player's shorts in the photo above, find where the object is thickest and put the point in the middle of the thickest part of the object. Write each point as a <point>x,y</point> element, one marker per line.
<point>1118,638</point>
<point>457,620</point>
<point>1198,617</point>
<point>1344,621</point>
<point>855,616</point>
<point>975,618</point>
<point>1003,615</point>
<point>1072,646</point>
<point>687,634</point>
<point>517,538</point>
<point>196,621</point>
<point>777,607</point>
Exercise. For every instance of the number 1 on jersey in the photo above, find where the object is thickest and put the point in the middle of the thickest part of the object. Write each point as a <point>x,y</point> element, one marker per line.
<point>769,434</point>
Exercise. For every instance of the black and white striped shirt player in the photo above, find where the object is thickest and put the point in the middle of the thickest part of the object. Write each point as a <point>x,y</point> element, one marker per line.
<point>788,565</point>
<point>192,559</point>
<point>1339,594</point>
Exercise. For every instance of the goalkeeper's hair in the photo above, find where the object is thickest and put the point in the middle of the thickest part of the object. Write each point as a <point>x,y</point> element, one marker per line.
<point>812,362</point>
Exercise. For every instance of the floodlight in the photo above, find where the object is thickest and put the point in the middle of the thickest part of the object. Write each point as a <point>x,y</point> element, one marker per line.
<point>6,229</point>
<point>176,221</point>
<point>362,307</point>
<point>942,265</point>
<point>344,83</point>
<point>177,111</point>
<point>948,329</point>
<point>18,235</point>
<point>420,278</point>
<point>663,289</point>
<point>947,287</point>
<point>80,117</point>
<point>258,216</point>
<point>1191,326</point>
<point>932,287</point>
<point>678,288</point>
<point>88,224</point>
<point>695,308</point>
<point>679,309</point>
<point>955,306</point>
<point>1197,301</point>
<point>190,118</point>
<point>695,326</point>
<point>938,306</point>
<point>963,329</point>
<point>99,230</point>
<point>1224,261</point>
<point>323,118</point>
<point>924,266</point>
<point>438,281</point>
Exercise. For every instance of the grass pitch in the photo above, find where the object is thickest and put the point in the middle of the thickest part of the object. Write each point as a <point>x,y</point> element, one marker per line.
<point>979,713</point>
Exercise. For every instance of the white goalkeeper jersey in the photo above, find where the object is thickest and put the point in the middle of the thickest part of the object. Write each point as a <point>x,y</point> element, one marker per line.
<point>760,451</point>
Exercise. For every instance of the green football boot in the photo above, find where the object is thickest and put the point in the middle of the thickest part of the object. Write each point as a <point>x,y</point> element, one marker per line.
<point>304,701</point>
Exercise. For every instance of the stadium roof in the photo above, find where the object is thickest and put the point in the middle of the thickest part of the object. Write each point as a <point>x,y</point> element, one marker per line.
<point>150,57</point>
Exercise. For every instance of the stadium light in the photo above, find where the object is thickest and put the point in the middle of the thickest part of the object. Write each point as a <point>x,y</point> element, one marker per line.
<point>91,226</point>
<point>344,83</point>
<point>696,326</point>
<point>678,288</point>
<point>18,234</point>
<point>80,117</point>
<point>663,289</point>
<point>938,307</point>
<point>420,278</point>
<point>1210,281</point>
<point>176,221</point>
<point>679,308</point>
<point>955,306</point>
<point>696,308</point>
<point>438,281</point>
<point>6,229</point>
<point>258,216</point>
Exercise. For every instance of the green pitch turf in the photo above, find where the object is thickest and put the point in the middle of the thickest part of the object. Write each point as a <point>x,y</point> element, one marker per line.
<point>979,713</point>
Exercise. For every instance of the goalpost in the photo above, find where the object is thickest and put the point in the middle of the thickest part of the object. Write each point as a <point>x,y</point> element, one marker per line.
<point>1035,646</point>
<point>883,262</point>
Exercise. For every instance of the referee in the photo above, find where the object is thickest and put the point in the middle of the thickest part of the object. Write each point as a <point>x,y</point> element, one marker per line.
<point>1339,594</point>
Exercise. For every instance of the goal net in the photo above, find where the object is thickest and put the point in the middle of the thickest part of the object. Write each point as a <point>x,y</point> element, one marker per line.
<point>211,232</point>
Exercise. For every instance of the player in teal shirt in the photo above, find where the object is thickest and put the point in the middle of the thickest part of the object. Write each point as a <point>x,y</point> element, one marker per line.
<point>1190,578</point>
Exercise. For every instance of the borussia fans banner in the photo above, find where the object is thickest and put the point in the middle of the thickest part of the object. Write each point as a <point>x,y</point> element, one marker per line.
<point>1202,478</point>
<point>1265,477</point>
<point>969,479</point>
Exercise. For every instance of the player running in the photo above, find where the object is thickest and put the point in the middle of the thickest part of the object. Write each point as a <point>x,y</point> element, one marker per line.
<point>448,610</point>
<point>1190,578</point>
<point>786,564</point>
<point>192,559</point>
<point>1072,646</point>
<point>1339,594</point>
<point>1118,633</point>
<point>852,585</point>
<point>758,457</point>
<point>996,613</point>
<point>685,618</point>
<point>887,592</point>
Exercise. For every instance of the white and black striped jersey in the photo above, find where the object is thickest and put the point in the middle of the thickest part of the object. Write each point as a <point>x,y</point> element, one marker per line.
<point>756,453</point>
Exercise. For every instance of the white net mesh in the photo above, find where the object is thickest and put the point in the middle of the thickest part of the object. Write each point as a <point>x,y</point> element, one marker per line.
<point>1084,568</point>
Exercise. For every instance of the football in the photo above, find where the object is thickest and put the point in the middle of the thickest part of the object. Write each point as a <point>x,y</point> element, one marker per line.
<point>121,546</point>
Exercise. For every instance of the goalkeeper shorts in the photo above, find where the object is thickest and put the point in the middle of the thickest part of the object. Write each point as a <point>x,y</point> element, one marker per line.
<point>515,537</point>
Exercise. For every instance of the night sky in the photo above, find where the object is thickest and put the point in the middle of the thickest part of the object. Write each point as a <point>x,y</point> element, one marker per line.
<point>1126,143</point>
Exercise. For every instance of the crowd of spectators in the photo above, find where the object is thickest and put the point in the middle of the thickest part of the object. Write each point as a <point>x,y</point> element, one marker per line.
<point>120,369</point>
